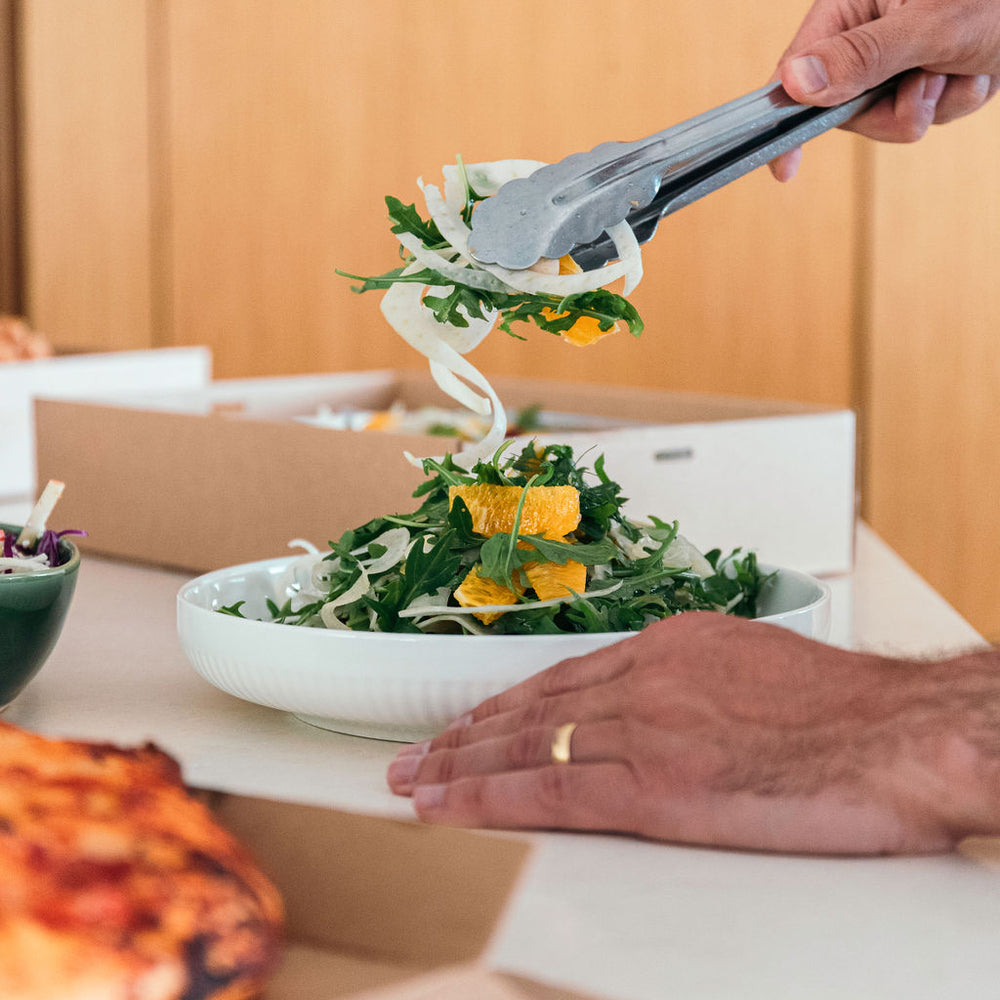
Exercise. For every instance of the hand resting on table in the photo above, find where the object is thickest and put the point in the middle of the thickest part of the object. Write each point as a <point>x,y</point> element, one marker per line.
<point>707,729</point>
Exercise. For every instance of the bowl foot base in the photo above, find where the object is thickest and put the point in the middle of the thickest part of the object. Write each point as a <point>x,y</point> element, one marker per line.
<point>371,730</point>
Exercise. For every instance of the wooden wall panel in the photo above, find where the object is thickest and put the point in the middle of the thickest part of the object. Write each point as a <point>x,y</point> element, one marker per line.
<point>86,214</point>
<point>289,124</point>
<point>10,245</point>
<point>934,459</point>
<point>196,171</point>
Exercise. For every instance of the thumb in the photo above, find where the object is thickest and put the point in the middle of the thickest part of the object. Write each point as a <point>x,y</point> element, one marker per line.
<point>840,67</point>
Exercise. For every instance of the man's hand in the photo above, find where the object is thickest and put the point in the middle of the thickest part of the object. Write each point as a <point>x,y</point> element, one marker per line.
<point>713,730</point>
<point>948,49</point>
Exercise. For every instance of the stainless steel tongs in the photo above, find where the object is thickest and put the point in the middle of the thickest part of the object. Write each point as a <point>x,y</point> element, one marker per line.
<point>566,207</point>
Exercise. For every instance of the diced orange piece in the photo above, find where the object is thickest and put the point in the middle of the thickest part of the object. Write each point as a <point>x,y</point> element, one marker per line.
<point>549,579</point>
<point>552,511</point>
<point>476,589</point>
<point>585,330</point>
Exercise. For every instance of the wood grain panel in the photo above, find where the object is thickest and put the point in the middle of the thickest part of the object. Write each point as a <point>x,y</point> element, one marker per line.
<point>933,470</point>
<point>289,125</point>
<point>86,170</point>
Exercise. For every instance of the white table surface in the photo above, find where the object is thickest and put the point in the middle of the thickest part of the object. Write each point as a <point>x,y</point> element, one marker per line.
<point>612,916</point>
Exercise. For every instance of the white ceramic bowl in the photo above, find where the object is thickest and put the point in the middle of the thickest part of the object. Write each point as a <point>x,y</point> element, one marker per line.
<point>395,687</point>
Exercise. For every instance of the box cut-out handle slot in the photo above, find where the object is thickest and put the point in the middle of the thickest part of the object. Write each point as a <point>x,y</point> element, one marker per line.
<point>673,455</point>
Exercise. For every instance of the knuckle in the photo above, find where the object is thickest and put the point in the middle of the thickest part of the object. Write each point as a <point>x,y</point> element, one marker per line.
<point>471,797</point>
<point>526,748</point>
<point>491,706</point>
<point>555,789</point>
<point>560,678</point>
<point>538,713</point>
<point>451,739</point>
<point>438,768</point>
<point>857,52</point>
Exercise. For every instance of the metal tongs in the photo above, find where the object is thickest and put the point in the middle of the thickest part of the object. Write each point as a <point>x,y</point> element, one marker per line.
<point>566,207</point>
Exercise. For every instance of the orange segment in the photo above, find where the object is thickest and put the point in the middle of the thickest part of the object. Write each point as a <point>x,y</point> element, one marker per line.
<point>549,580</point>
<point>476,589</point>
<point>552,511</point>
<point>585,330</point>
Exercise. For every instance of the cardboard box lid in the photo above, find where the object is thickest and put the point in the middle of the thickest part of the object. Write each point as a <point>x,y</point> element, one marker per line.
<point>223,476</point>
<point>383,909</point>
<point>82,376</point>
<point>390,891</point>
<point>222,483</point>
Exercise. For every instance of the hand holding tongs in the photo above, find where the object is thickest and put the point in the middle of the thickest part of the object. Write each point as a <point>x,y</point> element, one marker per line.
<point>567,206</point>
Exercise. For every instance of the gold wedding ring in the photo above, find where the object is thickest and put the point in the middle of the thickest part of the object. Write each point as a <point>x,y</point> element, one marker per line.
<point>561,740</point>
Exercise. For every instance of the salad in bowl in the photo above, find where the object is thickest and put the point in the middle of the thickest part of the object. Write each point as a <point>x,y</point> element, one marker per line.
<point>531,543</point>
<point>409,620</point>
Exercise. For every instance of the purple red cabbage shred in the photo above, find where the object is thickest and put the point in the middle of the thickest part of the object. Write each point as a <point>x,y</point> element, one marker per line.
<point>47,544</point>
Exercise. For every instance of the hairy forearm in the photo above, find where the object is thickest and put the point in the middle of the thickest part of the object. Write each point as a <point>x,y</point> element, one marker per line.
<point>949,715</point>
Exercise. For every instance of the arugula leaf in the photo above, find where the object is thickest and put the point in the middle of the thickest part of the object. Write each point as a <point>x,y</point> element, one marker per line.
<point>406,219</point>
<point>550,313</point>
<point>426,571</point>
<point>444,547</point>
<point>590,554</point>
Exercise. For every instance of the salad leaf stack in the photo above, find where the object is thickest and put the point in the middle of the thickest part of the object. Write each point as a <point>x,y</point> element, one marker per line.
<point>400,573</point>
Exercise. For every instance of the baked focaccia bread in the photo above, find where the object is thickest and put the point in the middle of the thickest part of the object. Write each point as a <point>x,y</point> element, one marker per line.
<point>116,884</point>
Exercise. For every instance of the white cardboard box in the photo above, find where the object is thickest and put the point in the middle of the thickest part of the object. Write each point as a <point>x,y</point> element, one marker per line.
<point>238,476</point>
<point>81,376</point>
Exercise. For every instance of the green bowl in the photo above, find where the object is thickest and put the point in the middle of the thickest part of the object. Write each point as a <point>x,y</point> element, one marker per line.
<point>33,608</point>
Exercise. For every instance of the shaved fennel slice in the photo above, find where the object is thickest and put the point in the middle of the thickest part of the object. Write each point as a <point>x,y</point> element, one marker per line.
<point>453,386</point>
<point>328,613</point>
<point>487,609</point>
<point>682,554</point>
<point>300,580</point>
<point>473,276</point>
<point>486,178</point>
<point>456,232</point>
<point>396,542</point>
<point>406,314</point>
<point>629,255</point>
<point>469,625</point>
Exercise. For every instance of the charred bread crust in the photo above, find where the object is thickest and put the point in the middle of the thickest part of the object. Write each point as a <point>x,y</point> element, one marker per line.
<point>118,883</point>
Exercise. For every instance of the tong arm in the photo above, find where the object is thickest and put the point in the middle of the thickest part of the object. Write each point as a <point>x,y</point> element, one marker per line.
<point>567,206</point>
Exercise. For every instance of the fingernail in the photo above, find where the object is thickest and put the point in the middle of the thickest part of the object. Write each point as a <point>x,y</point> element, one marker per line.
<point>414,749</point>
<point>809,73</point>
<point>403,770</point>
<point>934,88</point>
<point>427,798</point>
<point>462,720</point>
